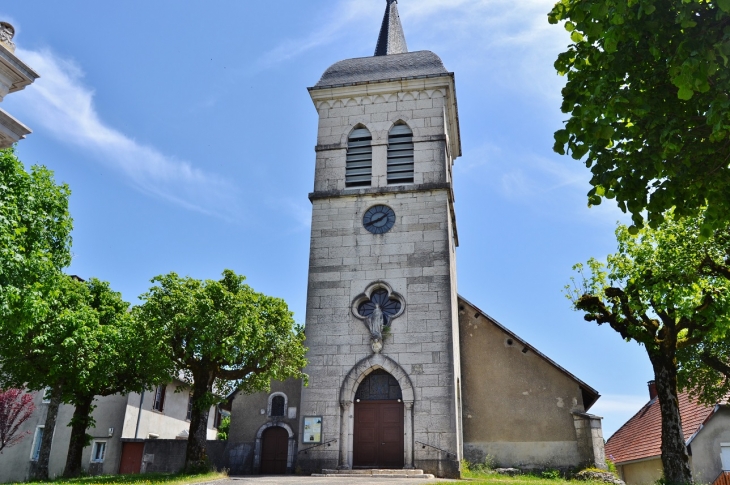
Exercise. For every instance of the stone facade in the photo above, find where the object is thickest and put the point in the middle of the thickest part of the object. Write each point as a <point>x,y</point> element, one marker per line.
<point>520,407</point>
<point>15,75</point>
<point>255,412</point>
<point>416,259</point>
<point>410,266</point>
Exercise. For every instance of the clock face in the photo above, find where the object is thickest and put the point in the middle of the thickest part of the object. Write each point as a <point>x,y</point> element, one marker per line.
<point>379,219</point>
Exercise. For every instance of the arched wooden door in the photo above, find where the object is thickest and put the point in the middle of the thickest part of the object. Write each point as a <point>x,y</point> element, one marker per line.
<point>378,440</point>
<point>274,451</point>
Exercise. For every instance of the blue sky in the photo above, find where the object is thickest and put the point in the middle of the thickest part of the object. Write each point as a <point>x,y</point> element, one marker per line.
<point>186,133</point>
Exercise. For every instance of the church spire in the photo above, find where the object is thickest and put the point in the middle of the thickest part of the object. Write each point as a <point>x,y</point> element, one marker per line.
<point>392,40</point>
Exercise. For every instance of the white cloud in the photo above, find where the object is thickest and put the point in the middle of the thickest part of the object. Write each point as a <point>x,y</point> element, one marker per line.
<point>344,15</point>
<point>61,105</point>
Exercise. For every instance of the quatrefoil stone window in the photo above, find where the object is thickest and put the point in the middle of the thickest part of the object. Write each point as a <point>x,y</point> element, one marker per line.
<point>377,308</point>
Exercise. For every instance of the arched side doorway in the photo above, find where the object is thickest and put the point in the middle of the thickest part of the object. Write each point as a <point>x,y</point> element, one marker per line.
<point>379,421</point>
<point>348,392</point>
<point>275,449</point>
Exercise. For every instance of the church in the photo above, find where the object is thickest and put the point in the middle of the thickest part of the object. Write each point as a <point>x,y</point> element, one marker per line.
<point>404,374</point>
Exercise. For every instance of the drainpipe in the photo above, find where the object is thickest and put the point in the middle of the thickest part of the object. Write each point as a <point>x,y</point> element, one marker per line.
<point>139,414</point>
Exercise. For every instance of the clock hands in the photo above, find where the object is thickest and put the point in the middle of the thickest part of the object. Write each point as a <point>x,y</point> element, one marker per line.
<point>374,221</point>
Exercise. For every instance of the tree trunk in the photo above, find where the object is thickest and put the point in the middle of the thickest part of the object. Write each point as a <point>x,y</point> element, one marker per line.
<point>196,458</point>
<point>78,441</point>
<point>44,455</point>
<point>675,459</point>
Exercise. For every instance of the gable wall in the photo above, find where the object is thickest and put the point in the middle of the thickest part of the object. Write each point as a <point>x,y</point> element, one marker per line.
<point>247,419</point>
<point>706,462</point>
<point>517,407</point>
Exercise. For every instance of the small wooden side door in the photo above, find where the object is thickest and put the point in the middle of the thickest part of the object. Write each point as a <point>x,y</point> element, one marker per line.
<point>274,451</point>
<point>131,462</point>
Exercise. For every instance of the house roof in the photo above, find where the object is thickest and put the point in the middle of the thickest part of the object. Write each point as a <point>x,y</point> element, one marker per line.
<point>590,395</point>
<point>391,40</point>
<point>641,437</point>
<point>361,70</point>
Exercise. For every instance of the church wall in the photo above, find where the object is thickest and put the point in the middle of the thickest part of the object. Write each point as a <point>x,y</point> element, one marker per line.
<point>517,407</point>
<point>416,259</point>
<point>247,420</point>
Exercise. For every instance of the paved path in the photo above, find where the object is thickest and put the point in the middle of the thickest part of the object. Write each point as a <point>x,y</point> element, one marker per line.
<point>297,480</point>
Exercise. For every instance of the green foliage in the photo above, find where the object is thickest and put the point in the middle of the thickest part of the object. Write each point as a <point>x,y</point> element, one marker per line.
<point>666,289</point>
<point>224,428</point>
<point>647,93</point>
<point>143,479</point>
<point>551,474</point>
<point>35,239</point>
<point>476,470</point>
<point>611,466</point>
<point>221,336</point>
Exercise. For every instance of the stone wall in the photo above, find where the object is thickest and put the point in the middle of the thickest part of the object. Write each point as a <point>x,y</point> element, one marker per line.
<point>250,413</point>
<point>416,259</point>
<point>168,456</point>
<point>517,406</point>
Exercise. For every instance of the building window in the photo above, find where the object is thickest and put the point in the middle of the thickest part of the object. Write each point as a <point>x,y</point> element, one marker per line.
<point>277,404</point>
<point>400,155</point>
<point>359,165</point>
<point>190,407</point>
<point>159,403</point>
<point>46,396</point>
<point>218,418</point>
<point>98,452</point>
<point>37,439</point>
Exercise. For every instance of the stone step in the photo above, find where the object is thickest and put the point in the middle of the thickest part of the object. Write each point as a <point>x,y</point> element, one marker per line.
<point>374,473</point>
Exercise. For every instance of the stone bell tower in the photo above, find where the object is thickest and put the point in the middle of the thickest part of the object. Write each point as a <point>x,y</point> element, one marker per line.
<point>382,318</point>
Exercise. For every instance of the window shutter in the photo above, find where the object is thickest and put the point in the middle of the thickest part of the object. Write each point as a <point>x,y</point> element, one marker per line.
<point>400,155</point>
<point>359,165</point>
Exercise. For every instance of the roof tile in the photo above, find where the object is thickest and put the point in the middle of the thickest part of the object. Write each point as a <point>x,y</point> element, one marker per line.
<point>641,437</point>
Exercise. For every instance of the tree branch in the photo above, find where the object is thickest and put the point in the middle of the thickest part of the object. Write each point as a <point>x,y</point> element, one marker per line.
<point>715,363</point>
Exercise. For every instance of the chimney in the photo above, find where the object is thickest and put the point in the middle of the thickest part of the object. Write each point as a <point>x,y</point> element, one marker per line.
<point>652,390</point>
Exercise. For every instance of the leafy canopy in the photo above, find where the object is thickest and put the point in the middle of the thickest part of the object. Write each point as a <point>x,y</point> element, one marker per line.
<point>647,92</point>
<point>224,331</point>
<point>662,289</point>
<point>35,238</point>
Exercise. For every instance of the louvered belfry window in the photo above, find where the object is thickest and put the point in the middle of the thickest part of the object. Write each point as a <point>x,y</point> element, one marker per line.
<point>359,166</point>
<point>400,155</point>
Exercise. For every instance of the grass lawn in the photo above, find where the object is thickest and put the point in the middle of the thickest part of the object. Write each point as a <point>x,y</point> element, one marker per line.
<point>146,479</point>
<point>495,479</point>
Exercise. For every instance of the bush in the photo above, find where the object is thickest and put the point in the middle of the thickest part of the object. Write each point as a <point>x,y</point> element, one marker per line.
<point>551,474</point>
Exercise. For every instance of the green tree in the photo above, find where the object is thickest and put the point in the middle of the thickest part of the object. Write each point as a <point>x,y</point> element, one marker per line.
<point>221,336</point>
<point>35,244</point>
<point>647,92</point>
<point>88,345</point>
<point>661,291</point>
<point>114,353</point>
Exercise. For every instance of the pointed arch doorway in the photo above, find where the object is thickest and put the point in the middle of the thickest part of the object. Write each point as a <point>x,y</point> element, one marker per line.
<point>379,423</point>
